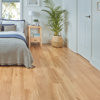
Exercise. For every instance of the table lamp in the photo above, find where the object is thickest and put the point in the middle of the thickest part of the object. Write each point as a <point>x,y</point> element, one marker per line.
<point>31,13</point>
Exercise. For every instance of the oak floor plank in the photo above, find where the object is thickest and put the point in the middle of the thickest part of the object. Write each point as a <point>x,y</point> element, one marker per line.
<point>17,86</point>
<point>60,74</point>
<point>5,83</point>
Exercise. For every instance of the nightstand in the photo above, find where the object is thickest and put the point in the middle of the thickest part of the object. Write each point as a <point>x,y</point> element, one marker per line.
<point>35,39</point>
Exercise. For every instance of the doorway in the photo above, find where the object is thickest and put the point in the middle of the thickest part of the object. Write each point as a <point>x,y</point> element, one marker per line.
<point>84,28</point>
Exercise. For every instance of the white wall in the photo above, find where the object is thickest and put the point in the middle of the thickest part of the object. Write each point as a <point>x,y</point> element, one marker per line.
<point>71,6</point>
<point>42,16</point>
<point>0,8</point>
<point>95,35</point>
<point>71,32</point>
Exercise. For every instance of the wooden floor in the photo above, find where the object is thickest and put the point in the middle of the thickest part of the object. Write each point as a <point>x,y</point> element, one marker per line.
<point>60,74</point>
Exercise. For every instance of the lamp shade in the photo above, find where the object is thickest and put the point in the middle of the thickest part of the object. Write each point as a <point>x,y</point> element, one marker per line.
<point>31,13</point>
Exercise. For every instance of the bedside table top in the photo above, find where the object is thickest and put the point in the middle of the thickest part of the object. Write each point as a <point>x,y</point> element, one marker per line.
<point>34,26</point>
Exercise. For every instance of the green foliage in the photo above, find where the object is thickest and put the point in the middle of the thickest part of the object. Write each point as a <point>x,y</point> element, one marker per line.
<point>49,3</point>
<point>36,20</point>
<point>10,10</point>
<point>55,18</point>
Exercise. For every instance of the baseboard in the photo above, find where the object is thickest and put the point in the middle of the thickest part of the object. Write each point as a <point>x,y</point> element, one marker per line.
<point>95,63</point>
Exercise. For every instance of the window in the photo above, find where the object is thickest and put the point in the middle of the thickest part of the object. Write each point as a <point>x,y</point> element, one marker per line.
<point>11,9</point>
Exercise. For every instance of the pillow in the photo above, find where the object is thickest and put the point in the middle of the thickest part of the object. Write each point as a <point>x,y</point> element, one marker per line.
<point>10,28</point>
<point>19,24</point>
<point>2,28</point>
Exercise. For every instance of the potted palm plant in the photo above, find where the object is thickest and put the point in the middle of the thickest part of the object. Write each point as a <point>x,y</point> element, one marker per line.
<point>55,21</point>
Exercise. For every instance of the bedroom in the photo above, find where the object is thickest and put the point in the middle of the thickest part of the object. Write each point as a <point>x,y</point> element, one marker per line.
<point>48,73</point>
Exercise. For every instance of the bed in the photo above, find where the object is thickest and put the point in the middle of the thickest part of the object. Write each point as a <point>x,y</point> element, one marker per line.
<point>13,46</point>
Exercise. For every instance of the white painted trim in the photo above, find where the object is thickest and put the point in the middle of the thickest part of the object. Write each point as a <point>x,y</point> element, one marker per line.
<point>91,29</point>
<point>21,9</point>
<point>95,63</point>
<point>77,27</point>
<point>90,56</point>
<point>0,8</point>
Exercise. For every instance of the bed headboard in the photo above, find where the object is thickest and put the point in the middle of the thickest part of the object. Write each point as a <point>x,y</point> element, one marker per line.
<point>20,24</point>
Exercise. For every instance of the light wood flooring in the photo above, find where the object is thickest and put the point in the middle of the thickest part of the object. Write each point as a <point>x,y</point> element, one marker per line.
<point>60,74</point>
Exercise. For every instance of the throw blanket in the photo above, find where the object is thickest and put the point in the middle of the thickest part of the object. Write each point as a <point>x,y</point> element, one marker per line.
<point>13,36</point>
<point>13,49</point>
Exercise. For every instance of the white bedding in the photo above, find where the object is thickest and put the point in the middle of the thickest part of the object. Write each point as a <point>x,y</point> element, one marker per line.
<point>19,24</point>
<point>13,32</point>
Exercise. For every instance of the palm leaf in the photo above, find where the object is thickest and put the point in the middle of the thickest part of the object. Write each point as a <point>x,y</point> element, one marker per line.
<point>48,12</point>
<point>49,3</point>
<point>57,8</point>
<point>55,18</point>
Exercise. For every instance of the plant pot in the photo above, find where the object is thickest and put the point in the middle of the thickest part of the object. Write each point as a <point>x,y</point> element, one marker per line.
<point>57,41</point>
